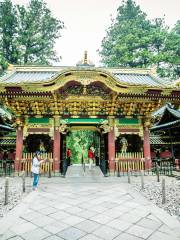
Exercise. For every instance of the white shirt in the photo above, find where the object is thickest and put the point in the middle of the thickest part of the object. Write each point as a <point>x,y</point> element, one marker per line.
<point>93,149</point>
<point>35,165</point>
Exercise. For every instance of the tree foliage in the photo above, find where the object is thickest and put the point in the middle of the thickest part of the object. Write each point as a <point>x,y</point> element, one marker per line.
<point>171,66</point>
<point>134,41</point>
<point>28,34</point>
<point>126,41</point>
<point>8,33</point>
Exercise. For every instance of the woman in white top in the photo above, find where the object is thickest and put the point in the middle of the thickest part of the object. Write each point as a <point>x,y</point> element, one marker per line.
<point>35,168</point>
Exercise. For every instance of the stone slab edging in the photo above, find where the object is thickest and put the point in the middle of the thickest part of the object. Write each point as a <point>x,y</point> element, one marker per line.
<point>10,218</point>
<point>160,213</point>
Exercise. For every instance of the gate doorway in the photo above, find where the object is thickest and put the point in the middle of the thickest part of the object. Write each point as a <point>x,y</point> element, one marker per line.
<point>77,140</point>
<point>38,142</point>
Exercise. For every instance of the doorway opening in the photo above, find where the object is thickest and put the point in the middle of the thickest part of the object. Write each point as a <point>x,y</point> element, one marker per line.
<point>37,142</point>
<point>79,141</point>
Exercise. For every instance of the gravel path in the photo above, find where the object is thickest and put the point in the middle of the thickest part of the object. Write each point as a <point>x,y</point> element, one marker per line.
<point>14,196</point>
<point>153,191</point>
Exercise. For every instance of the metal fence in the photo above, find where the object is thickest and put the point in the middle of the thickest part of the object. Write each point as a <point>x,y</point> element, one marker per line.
<point>6,167</point>
<point>164,166</point>
<point>122,167</point>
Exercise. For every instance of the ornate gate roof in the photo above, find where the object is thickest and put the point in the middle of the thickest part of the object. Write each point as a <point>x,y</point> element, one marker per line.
<point>85,90</point>
<point>42,75</point>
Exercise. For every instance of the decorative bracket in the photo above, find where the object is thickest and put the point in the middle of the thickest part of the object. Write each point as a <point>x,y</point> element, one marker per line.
<point>116,132</point>
<point>63,128</point>
<point>105,128</point>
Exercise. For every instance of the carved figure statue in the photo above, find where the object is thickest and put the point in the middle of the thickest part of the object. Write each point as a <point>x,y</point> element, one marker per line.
<point>124,143</point>
<point>41,147</point>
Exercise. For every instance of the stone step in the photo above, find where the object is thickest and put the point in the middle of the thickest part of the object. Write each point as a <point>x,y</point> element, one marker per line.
<point>77,170</point>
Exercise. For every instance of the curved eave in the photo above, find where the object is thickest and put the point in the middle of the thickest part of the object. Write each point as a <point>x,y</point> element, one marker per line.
<point>5,127</point>
<point>81,74</point>
<point>168,125</point>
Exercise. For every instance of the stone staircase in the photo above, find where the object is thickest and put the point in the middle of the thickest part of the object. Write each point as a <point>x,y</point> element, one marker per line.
<point>77,170</point>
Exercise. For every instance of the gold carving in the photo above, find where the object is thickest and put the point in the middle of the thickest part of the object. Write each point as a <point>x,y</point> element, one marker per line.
<point>116,132</point>
<point>105,128</point>
<point>63,128</point>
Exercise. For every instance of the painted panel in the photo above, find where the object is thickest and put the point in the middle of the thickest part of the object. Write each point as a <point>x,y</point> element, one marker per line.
<point>128,121</point>
<point>84,120</point>
<point>34,120</point>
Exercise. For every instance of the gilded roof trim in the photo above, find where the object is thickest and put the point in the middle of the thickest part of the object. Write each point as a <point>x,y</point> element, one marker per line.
<point>85,76</point>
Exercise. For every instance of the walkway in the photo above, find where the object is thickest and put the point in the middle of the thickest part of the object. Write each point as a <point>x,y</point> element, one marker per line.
<point>86,209</point>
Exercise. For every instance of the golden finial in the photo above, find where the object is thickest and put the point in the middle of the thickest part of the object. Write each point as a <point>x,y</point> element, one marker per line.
<point>85,62</point>
<point>85,57</point>
<point>10,67</point>
<point>153,70</point>
<point>177,83</point>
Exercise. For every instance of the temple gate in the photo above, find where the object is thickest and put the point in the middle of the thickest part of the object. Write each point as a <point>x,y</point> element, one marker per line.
<point>114,104</point>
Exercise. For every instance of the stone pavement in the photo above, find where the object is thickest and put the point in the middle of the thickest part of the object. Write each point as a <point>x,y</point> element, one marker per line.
<point>87,208</point>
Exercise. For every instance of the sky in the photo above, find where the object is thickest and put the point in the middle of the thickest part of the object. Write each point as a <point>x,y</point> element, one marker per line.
<point>86,22</point>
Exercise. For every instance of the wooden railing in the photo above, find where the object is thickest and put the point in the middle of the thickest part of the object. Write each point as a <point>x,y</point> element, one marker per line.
<point>130,155</point>
<point>28,156</point>
<point>6,167</point>
<point>129,165</point>
<point>46,168</point>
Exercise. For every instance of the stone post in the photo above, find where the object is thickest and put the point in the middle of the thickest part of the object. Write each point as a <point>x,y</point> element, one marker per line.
<point>142,180</point>
<point>6,191</point>
<point>163,191</point>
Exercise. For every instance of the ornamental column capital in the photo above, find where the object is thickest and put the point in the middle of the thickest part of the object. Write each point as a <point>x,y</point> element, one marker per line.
<point>19,123</point>
<point>147,122</point>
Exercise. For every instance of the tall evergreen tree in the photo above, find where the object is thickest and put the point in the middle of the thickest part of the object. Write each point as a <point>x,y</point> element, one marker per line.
<point>134,41</point>
<point>8,33</point>
<point>158,36</point>
<point>127,39</point>
<point>28,35</point>
<point>171,66</point>
<point>38,30</point>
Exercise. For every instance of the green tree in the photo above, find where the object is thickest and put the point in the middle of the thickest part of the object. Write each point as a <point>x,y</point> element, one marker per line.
<point>38,30</point>
<point>8,33</point>
<point>134,41</point>
<point>28,35</point>
<point>158,36</point>
<point>176,44</point>
<point>127,40</point>
<point>171,65</point>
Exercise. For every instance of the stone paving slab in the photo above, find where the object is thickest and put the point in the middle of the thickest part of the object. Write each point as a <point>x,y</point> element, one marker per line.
<point>87,210</point>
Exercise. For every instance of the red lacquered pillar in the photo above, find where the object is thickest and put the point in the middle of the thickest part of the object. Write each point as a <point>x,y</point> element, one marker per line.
<point>19,148</point>
<point>111,149</point>
<point>147,150</point>
<point>56,149</point>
